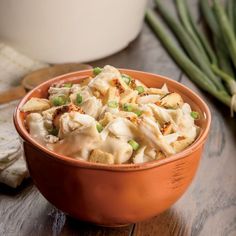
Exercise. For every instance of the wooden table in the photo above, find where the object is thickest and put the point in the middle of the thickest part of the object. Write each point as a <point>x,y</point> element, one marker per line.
<point>207,208</point>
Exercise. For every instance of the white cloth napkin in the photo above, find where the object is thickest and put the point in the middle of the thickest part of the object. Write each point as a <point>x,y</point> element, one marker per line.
<point>13,66</point>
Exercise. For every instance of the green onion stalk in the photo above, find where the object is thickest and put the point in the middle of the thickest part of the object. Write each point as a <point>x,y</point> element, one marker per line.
<point>193,72</point>
<point>231,13</point>
<point>189,46</point>
<point>220,48</point>
<point>226,29</point>
<point>192,29</point>
<point>227,78</point>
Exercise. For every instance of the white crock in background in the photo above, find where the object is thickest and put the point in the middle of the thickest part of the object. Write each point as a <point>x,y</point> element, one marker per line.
<point>60,31</point>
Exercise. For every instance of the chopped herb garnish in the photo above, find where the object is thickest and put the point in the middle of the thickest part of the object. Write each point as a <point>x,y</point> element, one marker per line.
<point>126,79</point>
<point>133,144</point>
<point>140,89</point>
<point>79,99</point>
<point>68,85</point>
<point>194,114</point>
<point>127,107</point>
<point>97,70</point>
<point>99,127</point>
<point>138,112</point>
<point>59,100</point>
<point>112,104</point>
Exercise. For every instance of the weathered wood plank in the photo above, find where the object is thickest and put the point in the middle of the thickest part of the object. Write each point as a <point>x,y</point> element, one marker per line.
<point>26,212</point>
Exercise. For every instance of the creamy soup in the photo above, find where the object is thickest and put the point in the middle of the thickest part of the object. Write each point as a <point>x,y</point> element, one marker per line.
<point>111,118</point>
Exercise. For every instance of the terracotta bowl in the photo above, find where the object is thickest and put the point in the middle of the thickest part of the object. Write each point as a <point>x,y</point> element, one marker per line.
<point>113,195</point>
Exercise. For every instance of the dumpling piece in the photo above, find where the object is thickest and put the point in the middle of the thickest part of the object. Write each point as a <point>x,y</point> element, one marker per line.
<point>185,123</point>
<point>73,120</point>
<point>120,149</point>
<point>102,81</point>
<point>122,128</point>
<point>152,134</point>
<point>170,138</point>
<point>78,143</point>
<point>92,106</point>
<point>37,130</point>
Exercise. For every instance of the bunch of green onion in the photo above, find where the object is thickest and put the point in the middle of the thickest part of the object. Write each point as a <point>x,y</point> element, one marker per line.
<point>211,67</point>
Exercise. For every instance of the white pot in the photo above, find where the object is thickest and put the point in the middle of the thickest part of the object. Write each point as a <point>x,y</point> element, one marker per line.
<point>60,31</point>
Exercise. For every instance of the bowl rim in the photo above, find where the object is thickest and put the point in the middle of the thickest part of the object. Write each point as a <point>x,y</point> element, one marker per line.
<point>117,167</point>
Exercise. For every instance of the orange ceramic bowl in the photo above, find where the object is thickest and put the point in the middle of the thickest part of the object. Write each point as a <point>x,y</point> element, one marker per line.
<point>113,195</point>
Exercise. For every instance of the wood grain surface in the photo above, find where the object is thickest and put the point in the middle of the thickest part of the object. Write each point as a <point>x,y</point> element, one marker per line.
<point>207,208</point>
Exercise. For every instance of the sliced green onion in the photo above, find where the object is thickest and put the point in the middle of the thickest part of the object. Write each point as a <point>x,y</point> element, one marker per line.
<point>79,99</point>
<point>99,127</point>
<point>59,100</point>
<point>126,79</point>
<point>194,114</point>
<point>140,89</point>
<point>127,107</point>
<point>97,70</point>
<point>138,112</point>
<point>112,104</point>
<point>68,85</point>
<point>133,144</point>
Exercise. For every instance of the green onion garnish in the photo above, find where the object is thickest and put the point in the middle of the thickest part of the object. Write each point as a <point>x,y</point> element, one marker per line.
<point>79,99</point>
<point>97,70</point>
<point>138,112</point>
<point>68,85</point>
<point>112,104</point>
<point>140,89</point>
<point>126,79</point>
<point>127,107</point>
<point>59,100</point>
<point>133,144</point>
<point>194,114</point>
<point>99,127</point>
